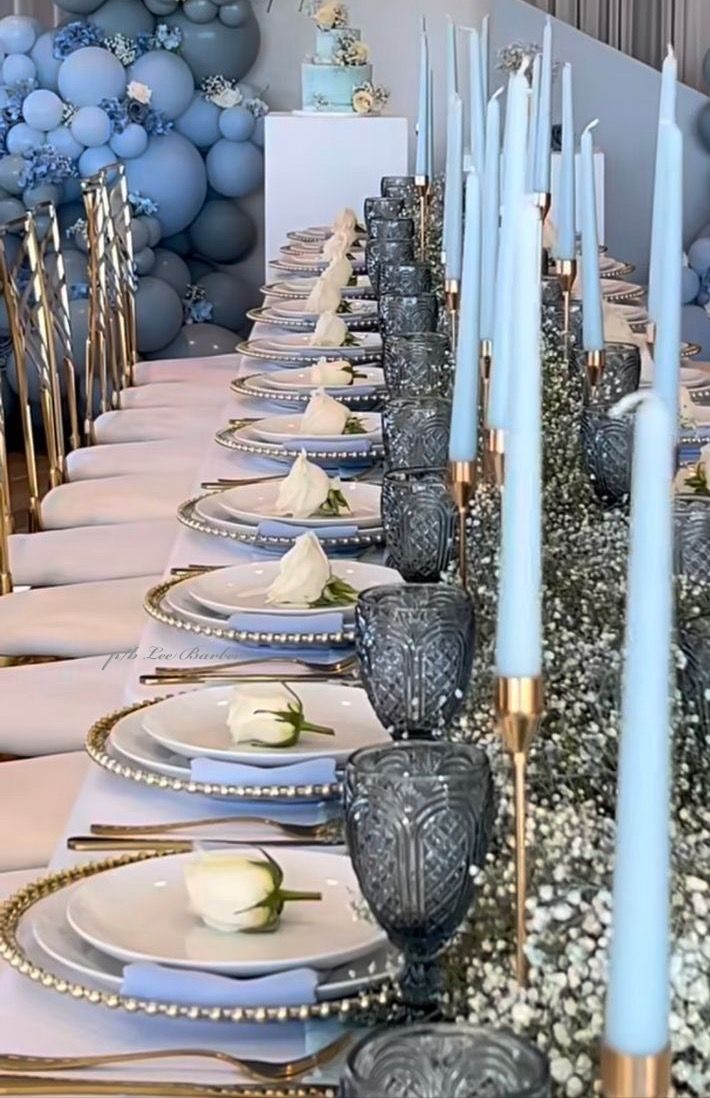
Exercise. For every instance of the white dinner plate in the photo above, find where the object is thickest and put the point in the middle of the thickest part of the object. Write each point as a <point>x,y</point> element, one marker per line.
<point>140,912</point>
<point>194,725</point>
<point>301,287</point>
<point>287,428</point>
<point>180,601</point>
<point>298,342</point>
<point>253,503</point>
<point>129,739</point>
<point>295,310</point>
<point>301,379</point>
<point>56,939</point>
<point>242,588</point>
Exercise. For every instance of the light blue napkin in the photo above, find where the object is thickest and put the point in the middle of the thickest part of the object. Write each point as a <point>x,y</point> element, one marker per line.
<point>272,529</point>
<point>352,445</point>
<point>185,986</point>
<point>287,623</point>
<point>316,771</point>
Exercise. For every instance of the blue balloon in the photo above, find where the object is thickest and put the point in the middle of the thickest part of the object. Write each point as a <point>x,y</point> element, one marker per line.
<point>170,268</point>
<point>154,230</point>
<point>128,17</point>
<point>89,75</point>
<point>23,138</point>
<point>699,255</point>
<point>235,169</point>
<point>132,142</point>
<point>690,285</point>
<point>12,173</point>
<point>93,160</point>
<point>230,297</point>
<point>703,298</point>
<point>212,47</point>
<point>10,209</point>
<point>91,126</point>
<point>47,64</point>
<point>172,173</point>
<point>695,326</point>
<point>68,215</point>
<point>703,124</point>
<point>75,267</point>
<point>72,190</point>
<point>169,78</point>
<point>17,67</point>
<point>161,7</point>
<point>17,33</point>
<point>42,109</point>
<point>200,122</point>
<point>179,243</point>
<point>64,142</point>
<point>222,232</point>
<point>200,11</point>
<point>158,314</point>
<point>236,14</point>
<point>258,137</point>
<point>198,268</point>
<point>200,340</point>
<point>236,124</point>
<point>45,192</point>
<point>139,234</point>
<point>144,261</point>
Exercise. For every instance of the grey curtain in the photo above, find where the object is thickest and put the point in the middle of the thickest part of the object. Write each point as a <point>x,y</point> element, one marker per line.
<point>643,28</point>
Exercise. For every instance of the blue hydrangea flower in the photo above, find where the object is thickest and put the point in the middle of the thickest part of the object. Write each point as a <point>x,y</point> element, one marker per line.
<point>45,165</point>
<point>155,122</point>
<point>141,205</point>
<point>167,38</point>
<point>123,48</point>
<point>75,36</point>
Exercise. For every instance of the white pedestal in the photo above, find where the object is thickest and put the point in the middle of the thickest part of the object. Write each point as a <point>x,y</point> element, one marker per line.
<point>599,181</point>
<point>317,164</point>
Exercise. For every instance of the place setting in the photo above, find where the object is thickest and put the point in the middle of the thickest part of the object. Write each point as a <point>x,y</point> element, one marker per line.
<point>330,338</point>
<point>355,386</point>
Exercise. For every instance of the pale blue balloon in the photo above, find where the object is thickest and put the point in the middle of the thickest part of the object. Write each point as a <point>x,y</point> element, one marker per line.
<point>68,215</point>
<point>46,63</point>
<point>703,298</point>
<point>200,122</point>
<point>222,231</point>
<point>89,75</point>
<point>200,11</point>
<point>690,285</point>
<point>42,109</point>
<point>200,340</point>
<point>236,123</point>
<point>161,7</point>
<point>154,230</point>
<point>12,173</point>
<point>198,268</point>
<point>212,47</point>
<point>179,243</point>
<point>44,192</point>
<point>158,314</point>
<point>17,33</point>
<point>64,142</point>
<point>169,78</point>
<point>18,67</point>
<point>72,190</point>
<point>80,7</point>
<point>144,261</point>
<point>94,159</point>
<point>139,234</point>
<point>128,17</point>
<point>75,266</point>
<point>235,169</point>
<point>23,138</point>
<point>699,255</point>
<point>170,268</point>
<point>10,209</point>
<point>172,173</point>
<point>132,142</point>
<point>695,326</point>
<point>91,126</point>
<point>230,297</point>
<point>236,14</point>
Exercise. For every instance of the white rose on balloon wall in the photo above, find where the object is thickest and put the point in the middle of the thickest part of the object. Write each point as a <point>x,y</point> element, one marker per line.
<point>339,271</point>
<point>269,717</point>
<point>228,97</point>
<point>324,415</point>
<point>304,490</point>
<point>233,892</point>
<point>304,572</point>
<point>141,93</point>
<point>330,331</point>
<point>325,297</point>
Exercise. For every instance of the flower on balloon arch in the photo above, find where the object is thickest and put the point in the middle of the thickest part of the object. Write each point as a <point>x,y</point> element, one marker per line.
<point>45,165</point>
<point>226,93</point>
<point>369,98</point>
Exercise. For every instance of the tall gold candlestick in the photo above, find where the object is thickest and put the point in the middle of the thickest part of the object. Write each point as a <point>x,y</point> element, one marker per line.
<point>451,291</point>
<point>595,364</point>
<point>519,709</point>
<point>422,184</point>
<point>494,456</point>
<point>567,276</point>
<point>462,485</point>
<point>625,1076</point>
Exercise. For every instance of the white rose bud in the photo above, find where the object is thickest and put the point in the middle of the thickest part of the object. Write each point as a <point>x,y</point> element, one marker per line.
<point>346,219</point>
<point>323,415</point>
<point>338,244</point>
<point>334,372</point>
<point>330,331</point>
<point>325,297</point>
<point>234,892</point>
<point>304,572</point>
<point>339,271</point>
<point>304,490</point>
<point>269,717</point>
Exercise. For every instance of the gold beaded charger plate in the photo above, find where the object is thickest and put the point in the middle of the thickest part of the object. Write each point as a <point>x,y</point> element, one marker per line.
<point>295,348</point>
<point>622,292</point>
<point>357,989</point>
<point>356,323</point>
<point>204,515</point>
<point>242,439</point>
<point>363,397</point>
<point>318,234</point>
<point>615,268</point>
<point>100,748</point>
<point>157,606</point>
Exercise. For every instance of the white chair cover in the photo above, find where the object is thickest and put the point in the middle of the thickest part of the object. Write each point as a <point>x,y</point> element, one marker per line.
<point>173,394</point>
<point>115,499</point>
<point>146,424</point>
<point>36,797</point>
<point>54,557</point>
<point>119,458</point>
<point>216,370</point>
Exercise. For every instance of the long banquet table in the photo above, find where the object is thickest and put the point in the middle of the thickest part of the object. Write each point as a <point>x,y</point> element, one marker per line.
<point>33,1019</point>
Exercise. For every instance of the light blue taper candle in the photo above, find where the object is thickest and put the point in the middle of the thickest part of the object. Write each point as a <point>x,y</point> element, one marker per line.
<point>478,110</point>
<point>532,130</point>
<point>514,158</point>
<point>430,128</point>
<point>423,113</point>
<point>638,1004</point>
<point>593,315</point>
<point>490,217</point>
<point>666,113</point>
<point>543,139</point>
<point>565,245</point>
<point>463,443</point>
<point>452,69</point>
<point>453,198</point>
<point>519,634</point>
<point>667,348</point>
<point>485,49</point>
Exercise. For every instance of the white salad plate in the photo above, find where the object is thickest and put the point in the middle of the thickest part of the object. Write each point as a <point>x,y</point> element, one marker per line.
<point>194,725</point>
<point>301,287</point>
<point>301,341</point>
<point>287,428</point>
<point>301,379</point>
<point>294,309</point>
<point>179,600</point>
<point>253,503</point>
<point>242,588</point>
<point>141,912</point>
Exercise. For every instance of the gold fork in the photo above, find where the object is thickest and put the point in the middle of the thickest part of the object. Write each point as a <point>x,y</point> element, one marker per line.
<point>294,831</point>
<point>268,1070</point>
<point>221,670</point>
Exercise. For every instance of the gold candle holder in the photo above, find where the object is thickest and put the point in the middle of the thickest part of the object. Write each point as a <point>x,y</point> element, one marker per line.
<point>625,1076</point>
<point>485,359</point>
<point>494,456</point>
<point>543,201</point>
<point>519,709</point>
<point>595,364</point>
<point>462,485</point>
<point>451,292</point>
<point>567,276</point>
<point>422,184</point>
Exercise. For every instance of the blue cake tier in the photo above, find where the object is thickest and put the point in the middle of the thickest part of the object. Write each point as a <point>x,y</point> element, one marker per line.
<point>327,43</point>
<point>331,87</point>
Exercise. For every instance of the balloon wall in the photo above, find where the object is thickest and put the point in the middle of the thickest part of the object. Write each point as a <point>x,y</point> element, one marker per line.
<point>158,85</point>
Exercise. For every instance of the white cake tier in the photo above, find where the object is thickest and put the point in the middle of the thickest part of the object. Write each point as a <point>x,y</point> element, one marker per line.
<point>331,87</point>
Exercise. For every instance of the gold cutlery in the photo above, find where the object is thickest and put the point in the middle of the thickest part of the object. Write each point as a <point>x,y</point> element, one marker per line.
<point>264,1070</point>
<point>303,832</point>
<point>197,676</point>
<point>55,1086</point>
<point>92,843</point>
<point>195,569</point>
<point>190,674</point>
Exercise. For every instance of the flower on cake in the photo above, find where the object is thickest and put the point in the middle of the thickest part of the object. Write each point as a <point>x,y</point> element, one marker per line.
<point>141,93</point>
<point>329,16</point>
<point>369,98</point>
<point>350,51</point>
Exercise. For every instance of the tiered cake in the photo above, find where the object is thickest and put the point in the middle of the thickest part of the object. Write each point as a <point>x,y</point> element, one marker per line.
<point>339,66</point>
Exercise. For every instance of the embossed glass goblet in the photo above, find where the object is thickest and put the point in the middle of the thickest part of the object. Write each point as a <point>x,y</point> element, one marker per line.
<point>607,450</point>
<point>691,519</point>
<point>398,186</point>
<point>418,817</point>
<point>458,1061</point>
<point>415,432</point>
<point>385,251</point>
<point>406,314</point>
<point>415,643</point>
<point>382,207</point>
<point>694,674</point>
<point>418,365</point>
<point>405,278</point>
<point>621,376</point>
<point>391,228</point>
<point>419,519</point>
<point>551,291</point>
